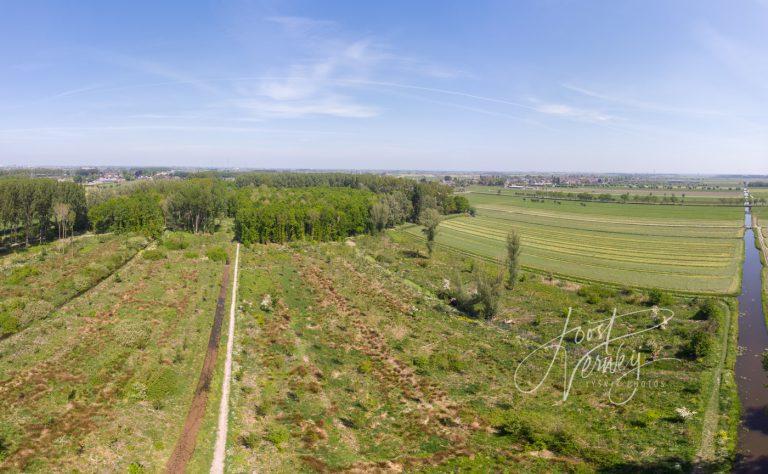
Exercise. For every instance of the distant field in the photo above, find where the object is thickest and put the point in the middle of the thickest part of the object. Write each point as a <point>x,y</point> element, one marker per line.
<point>695,196</point>
<point>692,249</point>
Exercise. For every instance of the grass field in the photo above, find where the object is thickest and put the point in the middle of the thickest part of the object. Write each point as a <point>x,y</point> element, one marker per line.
<point>357,365</point>
<point>692,196</point>
<point>104,383</point>
<point>689,249</point>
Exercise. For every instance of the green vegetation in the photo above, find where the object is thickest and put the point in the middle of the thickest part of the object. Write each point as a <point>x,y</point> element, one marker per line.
<point>35,282</point>
<point>31,209</point>
<point>108,376</point>
<point>686,249</point>
<point>365,355</point>
<point>140,213</point>
<point>360,365</point>
<point>295,214</point>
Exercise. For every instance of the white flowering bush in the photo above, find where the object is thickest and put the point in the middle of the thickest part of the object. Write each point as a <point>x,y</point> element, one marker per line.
<point>684,413</point>
<point>266,303</point>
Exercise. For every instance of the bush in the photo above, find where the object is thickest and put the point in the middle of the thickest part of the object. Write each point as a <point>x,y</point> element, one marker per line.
<point>8,324</point>
<point>277,434</point>
<point>217,254</point>
<point>508,423</point>
<point>191,254</point>
<point>708,309</point>
<point>176,241</point>
<point>154,254</point>
<point>249,440</point>
<point>20,274</point>
<point>699,346</point>
<point>656,297</point>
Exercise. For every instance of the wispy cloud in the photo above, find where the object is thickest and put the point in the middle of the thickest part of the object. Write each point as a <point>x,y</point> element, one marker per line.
<point>157,69</point>
<point>634,103</point>
<point>567,111</point>
<point>324,106</point>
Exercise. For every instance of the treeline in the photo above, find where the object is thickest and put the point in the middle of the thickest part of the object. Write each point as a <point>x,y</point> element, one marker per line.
<point>316,213</point>
<point>421,194</point>
<point>281,207</point>
<point>267,207</point>
<point>193,205</point>
<point>36,209</point>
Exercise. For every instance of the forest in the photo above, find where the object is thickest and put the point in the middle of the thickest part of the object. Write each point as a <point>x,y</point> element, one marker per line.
<point>266,207</point>
<point>33,210</point>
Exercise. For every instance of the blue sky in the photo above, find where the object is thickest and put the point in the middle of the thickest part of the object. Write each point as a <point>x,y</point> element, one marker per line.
<point>549,85</point>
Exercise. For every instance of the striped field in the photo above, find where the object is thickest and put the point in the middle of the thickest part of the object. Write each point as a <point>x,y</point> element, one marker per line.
<point>672,247</point>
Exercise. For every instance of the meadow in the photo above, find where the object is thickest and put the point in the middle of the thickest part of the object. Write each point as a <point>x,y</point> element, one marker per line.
<point>683,195</point>
<point>682,248</point>
<point>346,359</point>
<point>108,377</point>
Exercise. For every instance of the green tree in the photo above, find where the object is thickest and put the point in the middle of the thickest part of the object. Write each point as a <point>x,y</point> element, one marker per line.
<point>513,258</point>
<point>430,219</point>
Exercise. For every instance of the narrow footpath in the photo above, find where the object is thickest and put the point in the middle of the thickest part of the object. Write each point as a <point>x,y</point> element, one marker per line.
<point>185,446</point>
<point>219,452</point>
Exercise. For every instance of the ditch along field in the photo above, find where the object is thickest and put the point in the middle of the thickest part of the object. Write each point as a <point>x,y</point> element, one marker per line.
<point>357,365</point>
<point>104,382</point>
<point>684,249</point>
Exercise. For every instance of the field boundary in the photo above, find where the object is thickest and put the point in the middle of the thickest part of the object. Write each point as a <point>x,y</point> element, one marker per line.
<point>219,452</point>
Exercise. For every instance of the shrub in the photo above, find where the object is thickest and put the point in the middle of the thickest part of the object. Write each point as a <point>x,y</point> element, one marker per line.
<point>708,309</point>
<point>176,241</point>
<point>699,346</point>
<point>508,423</point>
<point>217,254</point>
<point>191,254</point>
<point>765,360</point>
<point>277,434</point>
<point>656,297</point>
<point>249,440</point>
<point>154,254</point>
<point>20,274</point>
<point>8,324</point>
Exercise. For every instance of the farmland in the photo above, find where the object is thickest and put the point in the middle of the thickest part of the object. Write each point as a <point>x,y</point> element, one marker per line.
<point>355,364</point>
<point>681,248</point>
<point>681,195</point>
<point>109,375</point>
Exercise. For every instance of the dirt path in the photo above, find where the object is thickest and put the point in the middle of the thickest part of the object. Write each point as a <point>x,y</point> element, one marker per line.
<point>706,452</point>
<point>217,466</point>
<point>185,446</point>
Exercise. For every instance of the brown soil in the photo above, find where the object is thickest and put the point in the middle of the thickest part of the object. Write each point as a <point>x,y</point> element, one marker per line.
<point>185,446</point>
